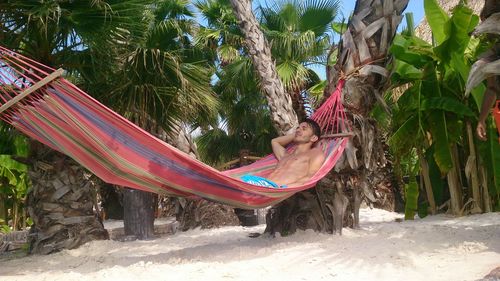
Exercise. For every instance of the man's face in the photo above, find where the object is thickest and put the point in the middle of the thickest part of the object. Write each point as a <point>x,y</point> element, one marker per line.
<point>304,134</point>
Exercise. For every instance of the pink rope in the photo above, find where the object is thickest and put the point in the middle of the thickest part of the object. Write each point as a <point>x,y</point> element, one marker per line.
<point>25,68</point>
<point>330,116</point>
<point>34,63</point>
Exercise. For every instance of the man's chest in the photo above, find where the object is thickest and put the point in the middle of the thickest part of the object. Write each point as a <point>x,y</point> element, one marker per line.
<point>295,160</point>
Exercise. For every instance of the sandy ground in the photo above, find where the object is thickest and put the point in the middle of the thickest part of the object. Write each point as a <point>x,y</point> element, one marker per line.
<point>434,248</point>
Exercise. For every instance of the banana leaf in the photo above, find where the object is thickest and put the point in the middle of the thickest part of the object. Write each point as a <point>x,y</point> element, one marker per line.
<point>411,194</point>
<point>438,20</point>
<point>404,72</point>
<point>438,185</point>
<point>457,31</point>
<point>447,104</point>
<point>437,121</point>
<point>412,50</point>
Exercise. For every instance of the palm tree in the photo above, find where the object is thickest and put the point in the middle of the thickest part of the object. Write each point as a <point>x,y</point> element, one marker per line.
<point>299,35</point>
<point>80,36</point>
<point>222,35</point>
<point>243,122</point>
<point>364,63</point>
<point>162,83</point>
<point>363,51</point>
<point>283,116</point>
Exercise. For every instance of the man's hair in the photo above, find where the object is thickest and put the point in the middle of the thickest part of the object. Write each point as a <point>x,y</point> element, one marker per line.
<point>314,126</point>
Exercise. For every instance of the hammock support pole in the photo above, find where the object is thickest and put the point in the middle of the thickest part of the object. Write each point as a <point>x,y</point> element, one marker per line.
<point>49,78</point>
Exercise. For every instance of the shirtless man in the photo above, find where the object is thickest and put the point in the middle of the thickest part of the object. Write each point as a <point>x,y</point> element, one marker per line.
<point>298,166</point>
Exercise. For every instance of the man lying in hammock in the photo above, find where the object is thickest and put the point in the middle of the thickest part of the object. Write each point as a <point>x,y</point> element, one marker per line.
<point>297,166</point>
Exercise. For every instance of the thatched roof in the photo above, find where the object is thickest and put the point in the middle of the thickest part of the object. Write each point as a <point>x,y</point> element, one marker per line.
<point>423,30</point>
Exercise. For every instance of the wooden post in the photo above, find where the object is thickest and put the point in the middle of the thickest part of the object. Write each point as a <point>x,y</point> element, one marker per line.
<point>138,214</point>
<point>32,89</point>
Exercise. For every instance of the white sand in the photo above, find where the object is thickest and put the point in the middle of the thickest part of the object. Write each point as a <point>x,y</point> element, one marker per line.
<point>434,248</point>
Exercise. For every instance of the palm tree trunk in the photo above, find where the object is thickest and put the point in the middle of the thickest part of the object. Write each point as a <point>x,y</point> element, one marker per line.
<point>61,204</point>
<point>362,62</point>
<point>138,214</point>
<point>192,213</point>
<point>280,104</point>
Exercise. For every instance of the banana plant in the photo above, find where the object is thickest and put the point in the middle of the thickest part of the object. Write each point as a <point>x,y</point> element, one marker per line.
<point>433,117</point>
<point>14,181</point>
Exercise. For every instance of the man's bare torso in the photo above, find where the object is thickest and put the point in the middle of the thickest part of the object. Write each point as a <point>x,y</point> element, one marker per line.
<point>293,167</point>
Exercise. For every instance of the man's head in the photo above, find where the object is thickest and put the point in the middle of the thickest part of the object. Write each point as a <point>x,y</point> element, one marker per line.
<point>307,132</point>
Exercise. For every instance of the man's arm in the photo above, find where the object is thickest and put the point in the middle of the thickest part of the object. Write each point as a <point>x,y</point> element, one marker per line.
<point>488,100</point>
<point>278,144</point>
<point>314,165</point>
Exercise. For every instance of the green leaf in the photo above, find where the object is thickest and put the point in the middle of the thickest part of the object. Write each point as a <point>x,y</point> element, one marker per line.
<point>447,104</point>
<point>423,208</point>
<point>458,64</point>
<point>438,20</point>
<point>316,15</point>
<point>478,94</point>
<point>383,118</point>
<point>404,72</point>
<point>408,101</point>
<point>5,229</point>
<point>403,140</point>
<point>437,121</point>
<point>411,50</point>
<point>409,30</point>
<point>7,162</point>
<point>437,183</point>
<point>317,89</point>
<point>339,27</point>
<point>462,22</point>
<point>439,132</point>
<point>21,146</point>
<point>411,198</point>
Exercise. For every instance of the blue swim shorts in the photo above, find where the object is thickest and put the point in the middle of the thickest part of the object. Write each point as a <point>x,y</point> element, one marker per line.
<point>260,181</point>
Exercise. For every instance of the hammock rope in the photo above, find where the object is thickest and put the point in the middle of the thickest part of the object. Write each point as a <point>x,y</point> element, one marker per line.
<point>63,117</point>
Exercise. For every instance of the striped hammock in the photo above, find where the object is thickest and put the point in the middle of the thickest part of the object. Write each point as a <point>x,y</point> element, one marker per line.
<point>37,101</point>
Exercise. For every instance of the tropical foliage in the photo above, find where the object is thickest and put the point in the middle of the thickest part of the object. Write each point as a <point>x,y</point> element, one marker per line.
<point>152,62</point>
<point>161,78</point>
<point>14,180</point>
<point>300,36</point>
<point>432,119</point>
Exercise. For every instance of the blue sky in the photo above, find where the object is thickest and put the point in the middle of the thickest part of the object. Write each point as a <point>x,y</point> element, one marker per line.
<point>414,6</point>
<point>347,6</point>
